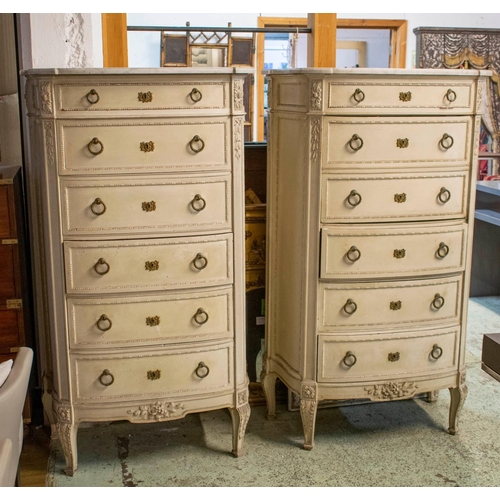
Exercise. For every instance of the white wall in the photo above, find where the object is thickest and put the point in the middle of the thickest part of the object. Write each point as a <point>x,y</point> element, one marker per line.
<point>63,41</point>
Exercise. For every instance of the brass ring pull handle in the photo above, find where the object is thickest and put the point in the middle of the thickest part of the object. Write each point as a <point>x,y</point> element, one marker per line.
<point>443,250</point>
<point>352,142</point>
<point>196,140</point>
<point>203,314</point>
<point>106,373</point>
<point>444,144</point>
<point>101,262</point>
<point>350,307</point>
<point>357,198</point>
<point>92,97</point>
<point>198,203</point>
<point>444,195</point>
<point>96,203</point>
<point>351,251</point>
<point>201,258</point>
<point>358,95</point>
<point>94,142</point>
<point>195,95</point>
<point>436,352</point>
<point>450,95</point>
<point>202,370</point>
<point>104,319</point>
<point>349,356</point>
<point>438,301</point>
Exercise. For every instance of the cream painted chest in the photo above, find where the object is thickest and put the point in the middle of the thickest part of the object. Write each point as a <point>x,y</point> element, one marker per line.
<point>137,202</point>
<point>371,185</point>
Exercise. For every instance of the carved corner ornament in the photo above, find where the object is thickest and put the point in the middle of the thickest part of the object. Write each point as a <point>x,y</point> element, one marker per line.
<point>316,94</point>
<point>46,95</point>
<point>238,95</point>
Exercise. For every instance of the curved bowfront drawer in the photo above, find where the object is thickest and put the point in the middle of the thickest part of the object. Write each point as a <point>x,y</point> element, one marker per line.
<point>394,142</point>
<point>94,206</point>
<point>398,97</point>
<point>398,197</point>
<point>141,146</point>
<point>389,305</point>
<point>382,357</point>
<point>137,320</point>
<point>386,251</point>
<point>144,265</point>
<point>148,374</point>
<point>180,95</point>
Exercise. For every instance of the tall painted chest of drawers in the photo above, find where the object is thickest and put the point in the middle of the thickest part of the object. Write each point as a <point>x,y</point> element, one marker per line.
<point>370,206</point>
<point>137,202</point>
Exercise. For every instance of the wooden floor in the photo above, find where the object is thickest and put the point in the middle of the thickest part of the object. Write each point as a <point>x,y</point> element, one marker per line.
<point>34,457</point>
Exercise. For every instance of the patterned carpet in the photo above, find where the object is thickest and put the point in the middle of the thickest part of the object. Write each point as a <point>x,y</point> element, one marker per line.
<point>402,443</point>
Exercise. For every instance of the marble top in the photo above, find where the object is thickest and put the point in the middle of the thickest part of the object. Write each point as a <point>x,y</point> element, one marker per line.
<point>135,71</point>
<point>379,71</point>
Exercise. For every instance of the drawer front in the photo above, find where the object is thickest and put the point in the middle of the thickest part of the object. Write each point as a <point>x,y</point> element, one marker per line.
<point>179,205</point>
<point>387,251</point>
<point>9,328</point>
<point>144,146</point>
<point>385,197</point>
<point>180,95</point>
<point>146,374</point>
<point>142,265</point>
<point>394,305</point>
<point>9,272</point>
<point>6,230</point>
<point>398,97</point>
<point>395,142</point>
<point>388,356</point>
<point>137,320</point>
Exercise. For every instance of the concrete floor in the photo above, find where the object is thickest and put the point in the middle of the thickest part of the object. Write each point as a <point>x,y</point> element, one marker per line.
<point>401,443</point>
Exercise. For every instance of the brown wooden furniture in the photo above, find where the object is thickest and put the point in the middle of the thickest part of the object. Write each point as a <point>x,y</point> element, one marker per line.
<point>14,288</point>
<point>491,355</point>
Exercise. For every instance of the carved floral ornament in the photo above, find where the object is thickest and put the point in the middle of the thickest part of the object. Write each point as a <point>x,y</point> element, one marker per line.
<point>316,94</point>
<point>392,390</point>
<point>156,411</point>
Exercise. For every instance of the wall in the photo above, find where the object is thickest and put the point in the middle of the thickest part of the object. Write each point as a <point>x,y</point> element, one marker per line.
<point>62,40</point>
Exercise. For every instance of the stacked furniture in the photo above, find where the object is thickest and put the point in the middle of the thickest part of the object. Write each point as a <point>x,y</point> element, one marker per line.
<point>138,194</point>
<point>370,208</point>
<point>15,302</point>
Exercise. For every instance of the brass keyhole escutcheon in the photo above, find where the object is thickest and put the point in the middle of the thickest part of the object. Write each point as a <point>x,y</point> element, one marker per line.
<point>151,265</point>
<point>154,374</point>
<point>149,206</point>
<point>147,147</point>
<point>153,320</point>
<point>393,356</point>
<point>145,96</point>
<point>402,143</point>
<point>395,305</point>
<point>400,198</point>
<point>399,253</point>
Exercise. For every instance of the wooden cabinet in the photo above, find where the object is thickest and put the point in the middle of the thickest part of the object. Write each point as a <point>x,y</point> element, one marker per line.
<point>370,211</point>
<point>15,322</point>
<point>140,200</point>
